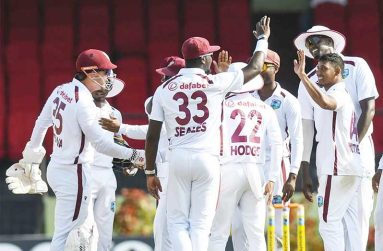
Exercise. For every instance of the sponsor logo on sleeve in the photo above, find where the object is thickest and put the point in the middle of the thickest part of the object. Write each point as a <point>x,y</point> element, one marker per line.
<point>320,201</point>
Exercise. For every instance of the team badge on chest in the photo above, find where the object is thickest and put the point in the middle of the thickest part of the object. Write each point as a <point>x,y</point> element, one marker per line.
<point>275,104</point>
<point>345,73</point>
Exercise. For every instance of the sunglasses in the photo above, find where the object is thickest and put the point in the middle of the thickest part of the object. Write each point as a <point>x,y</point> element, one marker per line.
<point>267,65</point>
<point>315,39</point>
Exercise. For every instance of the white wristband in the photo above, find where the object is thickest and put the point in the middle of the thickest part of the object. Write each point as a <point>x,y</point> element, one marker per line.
<point>262,45</point>
<point>150,172</point>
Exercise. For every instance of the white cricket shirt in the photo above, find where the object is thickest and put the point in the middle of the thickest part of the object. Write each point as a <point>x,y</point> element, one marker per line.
<point>72,113</point>
<point>288,112</point>
<point>190,105</point>
<point>360,84</point>
<point>100,159</point>
<point>247,123</point>
<point>338,147</point>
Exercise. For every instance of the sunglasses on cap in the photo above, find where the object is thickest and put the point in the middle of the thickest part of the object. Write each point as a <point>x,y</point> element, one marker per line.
<point>267,65</point>
<point>314,40</point>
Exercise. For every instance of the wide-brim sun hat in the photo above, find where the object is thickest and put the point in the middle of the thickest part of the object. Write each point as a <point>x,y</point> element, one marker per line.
<point>338,38</point>
<point>254,84</point>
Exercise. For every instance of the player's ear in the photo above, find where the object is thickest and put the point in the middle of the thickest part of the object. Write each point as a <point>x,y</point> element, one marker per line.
<point>338,71</point>
<point>203,59</point>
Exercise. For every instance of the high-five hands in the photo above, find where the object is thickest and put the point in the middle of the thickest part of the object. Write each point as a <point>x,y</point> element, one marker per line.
<point>262,28</point>
<point>300,64</point>
<point>224,61</point>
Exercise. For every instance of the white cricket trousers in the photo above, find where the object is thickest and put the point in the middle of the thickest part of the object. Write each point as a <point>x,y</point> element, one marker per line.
<point>337,200</point>
<point>160,228</point>
<point>192,195</point>
<point>379,218</point>
<point>71,185</point>
<point>241,186</point>
<point>104,204</point>
<point>238,234</point>
<point>365,208</point>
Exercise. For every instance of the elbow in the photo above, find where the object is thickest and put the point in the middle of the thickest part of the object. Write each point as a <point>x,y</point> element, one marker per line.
<point>326,106</point>
<point>371,112</point>
<point>251,71</point>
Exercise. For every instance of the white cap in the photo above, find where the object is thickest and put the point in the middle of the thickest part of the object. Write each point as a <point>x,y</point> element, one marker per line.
<point>337,37</point>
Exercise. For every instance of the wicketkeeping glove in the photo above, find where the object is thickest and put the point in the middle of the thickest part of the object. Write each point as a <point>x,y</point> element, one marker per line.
<point>124,166</point>
<point>25,178</point>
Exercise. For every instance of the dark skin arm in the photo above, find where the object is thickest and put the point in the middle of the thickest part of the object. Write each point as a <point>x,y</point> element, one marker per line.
<point>289,187</point>
<point>376,180</point>
<point>151,146</point>
<point>256,62</point>
<point>368,111</point>
<point>307,183</point>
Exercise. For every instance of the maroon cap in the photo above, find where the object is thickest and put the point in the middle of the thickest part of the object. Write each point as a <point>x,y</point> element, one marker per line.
<point>94,58</point>
<point>273,58</point>
<point>195,47</point>
<point>171,66</point>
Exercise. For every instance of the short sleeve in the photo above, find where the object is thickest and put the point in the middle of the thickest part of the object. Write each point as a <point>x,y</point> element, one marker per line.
<point>341,97</point>
<point>157,109</point>
<point>307,109</point>
<point>365,81</point>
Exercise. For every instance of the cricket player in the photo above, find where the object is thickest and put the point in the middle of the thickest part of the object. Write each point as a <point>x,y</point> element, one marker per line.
<point>288,112</point>
<point>97,230</point>
<point>339,171</point>
<point>72,113</point>
<point>189,105</point>
<point>247,122</point>
<point>170,68</point>
<point>377,183</point>
<point>360,85</point>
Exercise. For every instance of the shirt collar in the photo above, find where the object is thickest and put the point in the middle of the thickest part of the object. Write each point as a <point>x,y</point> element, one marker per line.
<point>277,91</point>
<point>81,86</point>
<point>337,86</point>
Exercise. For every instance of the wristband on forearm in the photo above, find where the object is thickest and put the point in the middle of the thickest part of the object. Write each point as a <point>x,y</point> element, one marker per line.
<point>150,172</point>
<point>262,45</point>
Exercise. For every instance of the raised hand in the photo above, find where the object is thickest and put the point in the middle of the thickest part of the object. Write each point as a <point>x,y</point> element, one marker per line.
<point>224,61</point>
<point>300,64</point>
<point>262,28</point>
